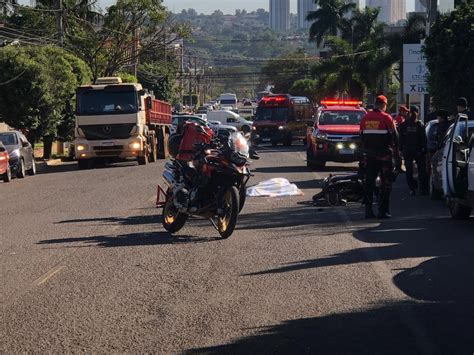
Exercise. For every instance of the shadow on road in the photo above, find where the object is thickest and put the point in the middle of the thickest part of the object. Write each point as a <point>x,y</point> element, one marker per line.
<point>126,240</point>
<point>394,328</point>
<point>125,221</point>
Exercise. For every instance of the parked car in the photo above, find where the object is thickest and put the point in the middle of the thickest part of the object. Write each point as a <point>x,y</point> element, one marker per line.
<point>458,168</point>
<point>22,159</point>
<point>218,127</point>
<point>231,119</point>
<point>5,171</point>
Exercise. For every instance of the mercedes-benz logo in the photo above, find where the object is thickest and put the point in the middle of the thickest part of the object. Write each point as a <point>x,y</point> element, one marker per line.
<point>107,129</point>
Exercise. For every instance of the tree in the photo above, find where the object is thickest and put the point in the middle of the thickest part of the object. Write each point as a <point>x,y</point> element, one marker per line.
<point>449,51</point>
<point>329,19</point>
<point>38,86</point>
<point>305,87</point>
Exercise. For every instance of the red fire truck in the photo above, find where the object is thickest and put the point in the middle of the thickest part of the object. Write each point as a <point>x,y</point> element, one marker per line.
<point>335,133</point>
<point>281,119</point>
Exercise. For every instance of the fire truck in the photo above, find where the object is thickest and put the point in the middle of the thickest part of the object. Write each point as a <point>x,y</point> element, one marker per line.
<point>116,121</point>
<point>281,119</point>
<point>335,135</point>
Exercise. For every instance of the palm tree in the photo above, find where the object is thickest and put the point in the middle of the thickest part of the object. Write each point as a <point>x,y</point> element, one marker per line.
<point>329,19</point>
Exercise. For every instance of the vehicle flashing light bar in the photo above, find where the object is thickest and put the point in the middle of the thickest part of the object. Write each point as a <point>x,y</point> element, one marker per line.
<point>341,102</point>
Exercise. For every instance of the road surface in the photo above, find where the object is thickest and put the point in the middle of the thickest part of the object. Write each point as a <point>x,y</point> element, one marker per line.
<point>85,266</point>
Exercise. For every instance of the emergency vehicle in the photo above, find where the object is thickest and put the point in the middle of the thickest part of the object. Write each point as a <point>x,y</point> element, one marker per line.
<point>281,119</point>
<point>335,135</point>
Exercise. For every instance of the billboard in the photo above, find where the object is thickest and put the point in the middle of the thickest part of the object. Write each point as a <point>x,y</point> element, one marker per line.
<point>415,72</point>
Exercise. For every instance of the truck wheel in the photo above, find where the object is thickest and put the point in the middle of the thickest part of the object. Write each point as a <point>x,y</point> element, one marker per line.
<point>143,160</point>
<point>458,211</point>
<point>83,164</point>
<point>154,147</point>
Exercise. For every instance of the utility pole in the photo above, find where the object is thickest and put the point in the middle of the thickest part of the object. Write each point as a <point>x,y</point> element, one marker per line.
<point>432,8</point>
<point>59,21</point>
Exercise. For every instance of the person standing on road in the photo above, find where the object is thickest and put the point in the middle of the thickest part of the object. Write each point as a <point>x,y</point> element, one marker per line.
<point>413,145</point>
<point>380,142</point>
<point>402,115</point>
<point>461,104</point>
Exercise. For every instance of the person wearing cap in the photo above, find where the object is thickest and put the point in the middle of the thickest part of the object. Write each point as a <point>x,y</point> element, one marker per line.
<point>461,104</point>
<point>379,143</point>
<point>413,145</point>
<point>402,115</point>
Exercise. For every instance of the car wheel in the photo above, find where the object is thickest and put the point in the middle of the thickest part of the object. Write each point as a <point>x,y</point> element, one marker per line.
<point>459,211</point>
<point>7,177</point>
<point>32,170</point>
<point>21,169</point>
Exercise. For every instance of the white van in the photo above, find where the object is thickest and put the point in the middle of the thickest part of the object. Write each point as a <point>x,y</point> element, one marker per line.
<point>228,100</point>
<point>230,118</point>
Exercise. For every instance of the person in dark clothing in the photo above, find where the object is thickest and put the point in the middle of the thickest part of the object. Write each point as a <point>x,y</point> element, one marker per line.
<point>461,104</point>
<point>380,144</point>
<point>413,145</point>
<point>443,125</point>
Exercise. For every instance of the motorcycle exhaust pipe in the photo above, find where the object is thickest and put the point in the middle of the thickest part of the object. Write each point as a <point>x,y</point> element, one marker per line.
<point>168,177</point>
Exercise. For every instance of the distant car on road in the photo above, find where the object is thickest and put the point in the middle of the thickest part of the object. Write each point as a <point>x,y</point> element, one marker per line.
<point>5,171</point>
<point>22,159</point>
<point>179,120</point>
<point>218,127</point>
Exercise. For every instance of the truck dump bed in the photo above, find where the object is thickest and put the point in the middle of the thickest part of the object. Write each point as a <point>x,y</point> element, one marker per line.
<point>158,112</point>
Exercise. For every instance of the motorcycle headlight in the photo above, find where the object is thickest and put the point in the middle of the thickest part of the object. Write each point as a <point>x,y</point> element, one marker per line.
<point>15,153</point>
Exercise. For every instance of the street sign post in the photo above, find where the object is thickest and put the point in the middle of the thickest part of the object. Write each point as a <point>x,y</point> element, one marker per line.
<point>415,72</point>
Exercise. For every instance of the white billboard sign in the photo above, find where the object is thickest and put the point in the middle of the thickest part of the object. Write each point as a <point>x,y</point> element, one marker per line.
<point>415,72</point>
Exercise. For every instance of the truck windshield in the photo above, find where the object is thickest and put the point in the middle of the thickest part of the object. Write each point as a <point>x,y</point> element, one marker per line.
<point>341,117</point>
<point>105,102</point>
<point>272,114</point>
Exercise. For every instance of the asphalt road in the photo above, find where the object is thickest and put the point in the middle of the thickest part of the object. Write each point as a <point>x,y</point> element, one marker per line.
<point>85,266</point>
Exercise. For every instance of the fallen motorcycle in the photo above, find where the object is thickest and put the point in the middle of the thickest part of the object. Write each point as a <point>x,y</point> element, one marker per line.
<point>208,181</point>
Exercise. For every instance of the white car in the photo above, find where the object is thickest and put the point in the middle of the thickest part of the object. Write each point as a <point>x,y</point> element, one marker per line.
<point>231,119</point>
<point>217,127</point>
<point>458,168</point>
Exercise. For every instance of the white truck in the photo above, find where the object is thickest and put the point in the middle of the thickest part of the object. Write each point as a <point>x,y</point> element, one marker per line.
<point>116,121</point>
<point>458,168</point>
<point>228,101</point>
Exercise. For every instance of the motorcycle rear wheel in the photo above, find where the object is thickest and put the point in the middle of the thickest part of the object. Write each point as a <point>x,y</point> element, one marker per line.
<point>226,224</point>
<point>173,220</point>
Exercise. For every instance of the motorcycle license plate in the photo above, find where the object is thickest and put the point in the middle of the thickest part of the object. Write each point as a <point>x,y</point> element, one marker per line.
<point>346,151</point>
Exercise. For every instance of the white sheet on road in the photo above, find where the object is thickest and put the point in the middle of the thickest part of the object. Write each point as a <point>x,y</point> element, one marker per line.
<point>274,188</point>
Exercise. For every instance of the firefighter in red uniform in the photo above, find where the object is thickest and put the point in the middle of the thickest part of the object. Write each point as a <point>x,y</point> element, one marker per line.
<point>380,145</point>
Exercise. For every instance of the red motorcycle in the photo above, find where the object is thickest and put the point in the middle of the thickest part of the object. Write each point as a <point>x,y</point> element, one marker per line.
<point>207,181</point>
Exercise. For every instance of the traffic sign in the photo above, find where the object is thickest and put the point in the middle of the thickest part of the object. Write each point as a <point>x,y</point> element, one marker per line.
<point>415,71</point>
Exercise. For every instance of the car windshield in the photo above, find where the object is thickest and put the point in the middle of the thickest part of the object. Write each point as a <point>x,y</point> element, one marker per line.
<point>104,102</point>
<point>341,117</point>
<point>228,102</point>
<point>272,114</point>
<point>8,138</point>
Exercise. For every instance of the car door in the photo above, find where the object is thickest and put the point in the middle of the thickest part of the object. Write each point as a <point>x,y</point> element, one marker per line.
<point>470,173</point>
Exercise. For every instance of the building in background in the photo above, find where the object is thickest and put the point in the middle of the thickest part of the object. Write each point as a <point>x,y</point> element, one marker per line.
<point>420,5</point>
<point>280,15</point>
<point>304,7</point>
<point>391,11</point>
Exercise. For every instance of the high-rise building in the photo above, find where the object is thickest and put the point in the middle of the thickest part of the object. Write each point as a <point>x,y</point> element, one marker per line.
<point>304,7</point>
<point>420,6</point>
<point>391,11</point>
<point>280,15</point>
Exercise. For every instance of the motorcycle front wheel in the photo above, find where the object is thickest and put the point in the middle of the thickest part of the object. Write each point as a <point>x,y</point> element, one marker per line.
<point>226,223</point>
<point>173,220</point>
<point>242,197</point>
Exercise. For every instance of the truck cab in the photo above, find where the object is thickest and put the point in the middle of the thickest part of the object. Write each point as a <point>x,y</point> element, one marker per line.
<point>335,134</point>
<point>116,120</point>
<point>458,168</point>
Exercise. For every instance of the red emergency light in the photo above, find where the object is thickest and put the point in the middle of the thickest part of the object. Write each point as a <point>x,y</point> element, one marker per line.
<point>274,100</point>
<point>334,102</point>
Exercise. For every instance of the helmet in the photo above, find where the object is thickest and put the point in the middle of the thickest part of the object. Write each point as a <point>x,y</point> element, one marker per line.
<point>173,144</point>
